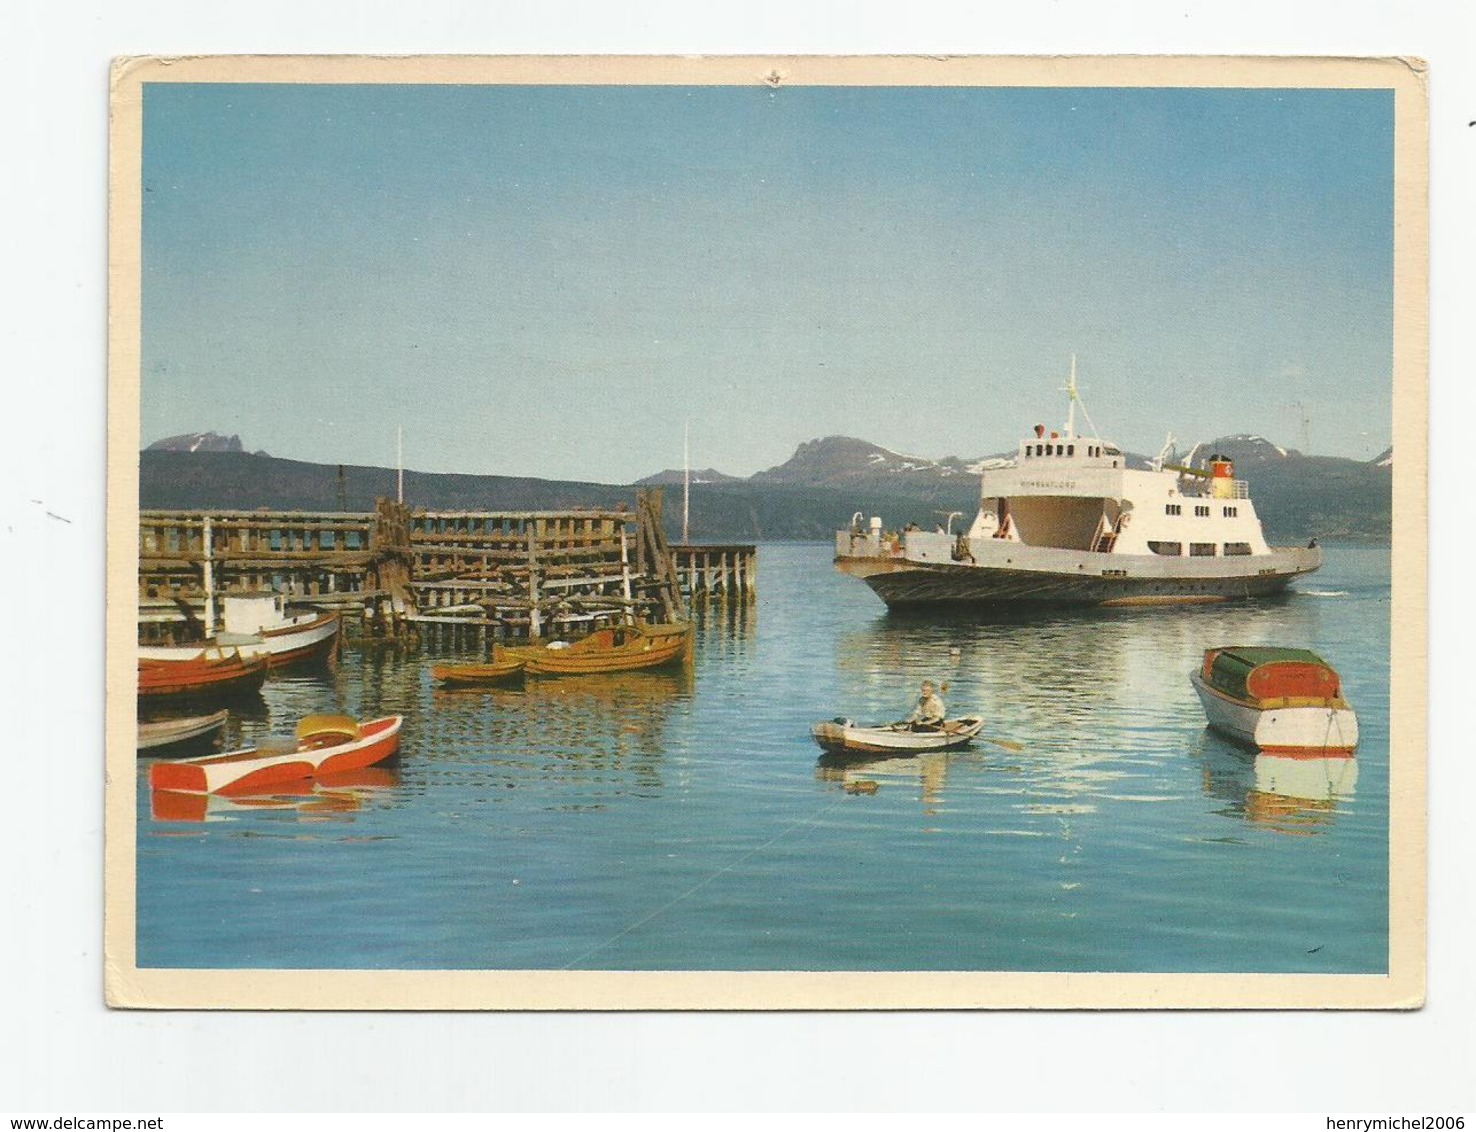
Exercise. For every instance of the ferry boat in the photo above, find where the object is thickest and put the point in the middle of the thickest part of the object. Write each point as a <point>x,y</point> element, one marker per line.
<point>1069,523</point>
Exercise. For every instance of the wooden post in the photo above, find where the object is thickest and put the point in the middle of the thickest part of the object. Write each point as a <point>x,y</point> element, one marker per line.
<point>535,623</point>
<point>625,576</point>
<point>206,550</point>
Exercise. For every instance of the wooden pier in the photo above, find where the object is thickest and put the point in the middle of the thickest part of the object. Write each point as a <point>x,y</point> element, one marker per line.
<point>717,573</point>
<point>515,574</point>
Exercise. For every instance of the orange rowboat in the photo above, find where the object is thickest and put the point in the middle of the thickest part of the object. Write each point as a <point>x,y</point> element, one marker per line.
<point>468,675</point>
<point>623,648</point>
<point>326,745</point>
<point>214,672</point>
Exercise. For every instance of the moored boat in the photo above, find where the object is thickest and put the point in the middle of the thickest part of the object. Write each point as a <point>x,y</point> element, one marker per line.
<point>1282,701</point>
<point>495,671</point>
<point>843,736</point>
<point>211,672</point>
<point>258,625</point>
<point>166,733</point>
<point>326,745</point>
<point>621,648</point>
<point>1067,522</point>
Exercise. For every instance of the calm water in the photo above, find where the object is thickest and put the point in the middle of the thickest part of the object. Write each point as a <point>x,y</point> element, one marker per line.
<point>685,822</point>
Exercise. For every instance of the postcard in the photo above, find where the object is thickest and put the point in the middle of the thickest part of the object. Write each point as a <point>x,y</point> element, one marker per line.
<point>602,533</point>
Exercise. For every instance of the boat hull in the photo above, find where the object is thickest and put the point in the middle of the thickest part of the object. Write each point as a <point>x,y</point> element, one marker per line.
<point>1289,727</point>
<point>1034,576</point>
<point>176,733</point>
<point>307,641</point>
<point>653,648</point>
<point>843,737</point>
<point>473,675</point>
<point>201,677</point>
<point>257,771</point>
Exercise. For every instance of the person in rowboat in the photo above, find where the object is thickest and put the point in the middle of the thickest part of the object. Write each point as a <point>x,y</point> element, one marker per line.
<point>929,713</point>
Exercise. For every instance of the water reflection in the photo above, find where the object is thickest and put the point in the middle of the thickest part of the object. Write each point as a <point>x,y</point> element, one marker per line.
<point>329,797</point>
<point>1292,795</point>
<point>928,772</point>
<point>584,739</point>
<point>725,621</point>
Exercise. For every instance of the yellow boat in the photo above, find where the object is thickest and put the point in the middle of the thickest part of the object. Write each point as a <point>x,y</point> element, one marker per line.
<point>498,671</point>
<point>622,648</point>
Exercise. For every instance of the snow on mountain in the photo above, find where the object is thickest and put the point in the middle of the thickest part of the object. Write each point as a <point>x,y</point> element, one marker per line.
<point>1242,448</point>
<point>197,442</point>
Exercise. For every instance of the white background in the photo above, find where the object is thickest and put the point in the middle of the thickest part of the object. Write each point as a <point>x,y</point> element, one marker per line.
<point>61,1051</point>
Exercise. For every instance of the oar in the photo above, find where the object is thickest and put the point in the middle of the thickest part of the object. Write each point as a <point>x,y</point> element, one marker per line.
<point>1007,744</point>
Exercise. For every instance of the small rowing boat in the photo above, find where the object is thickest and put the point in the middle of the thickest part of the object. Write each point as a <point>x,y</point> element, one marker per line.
<point>1278,700</point>
<point>167,733</point>
<point>210,672</point>
<point>843,736</point>
<point>326,744</point>
<point>621,648</point>
<point>496,671</point>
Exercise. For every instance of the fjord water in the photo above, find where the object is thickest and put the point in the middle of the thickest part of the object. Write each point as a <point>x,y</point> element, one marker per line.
<point>684,821</point>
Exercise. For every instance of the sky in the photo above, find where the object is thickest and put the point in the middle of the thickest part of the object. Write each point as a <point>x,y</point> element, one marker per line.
<point>556,281</point>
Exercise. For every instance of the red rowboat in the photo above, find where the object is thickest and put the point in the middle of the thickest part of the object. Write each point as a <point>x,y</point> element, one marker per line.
<point>212,672</point>
<point>326,745</point>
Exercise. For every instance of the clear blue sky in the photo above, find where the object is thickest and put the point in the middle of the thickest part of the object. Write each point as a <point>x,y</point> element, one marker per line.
<point>549,281</point>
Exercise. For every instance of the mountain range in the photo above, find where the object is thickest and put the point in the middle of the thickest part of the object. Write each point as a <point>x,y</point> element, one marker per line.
<point>809,496</point>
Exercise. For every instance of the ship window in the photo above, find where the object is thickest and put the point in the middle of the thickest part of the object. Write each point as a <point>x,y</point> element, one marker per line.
<point>1171,549</point>
<point>1050,450</point>
<point>1040,449</point>
<point>1113,451</point>
<point>1202,512</point>
<point>1237,548</point>
<point>1172,509</point>
<point>1201,550</point>
<point>1231,512</point>
<point>1071,450</point>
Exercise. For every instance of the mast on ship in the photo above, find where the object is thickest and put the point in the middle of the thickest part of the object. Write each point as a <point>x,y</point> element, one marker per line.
<point>1071,402</point>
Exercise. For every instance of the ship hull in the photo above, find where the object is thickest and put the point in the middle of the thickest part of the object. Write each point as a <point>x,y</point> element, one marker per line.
<point>1050,577</point>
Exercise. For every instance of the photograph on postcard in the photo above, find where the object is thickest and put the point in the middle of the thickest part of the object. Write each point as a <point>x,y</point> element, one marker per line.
<point>943,520</point>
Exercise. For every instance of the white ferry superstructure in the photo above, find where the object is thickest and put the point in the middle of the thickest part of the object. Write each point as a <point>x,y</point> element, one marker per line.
<point>1069,523</point>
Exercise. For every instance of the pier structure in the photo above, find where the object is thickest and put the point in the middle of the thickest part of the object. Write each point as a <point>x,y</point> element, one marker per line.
<point>717,572</point>
<point>525,574</point>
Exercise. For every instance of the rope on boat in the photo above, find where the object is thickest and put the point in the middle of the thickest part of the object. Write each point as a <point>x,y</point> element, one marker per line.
<point>704,882</point>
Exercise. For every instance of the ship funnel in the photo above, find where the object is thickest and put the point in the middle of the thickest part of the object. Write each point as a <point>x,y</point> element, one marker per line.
<point>1222,477</point>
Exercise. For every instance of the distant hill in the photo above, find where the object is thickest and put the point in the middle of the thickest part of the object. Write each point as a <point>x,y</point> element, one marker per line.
<point>677,476</point>
<point>810,496</point>
<point>843,461</point>
<point>197,442</point>
<point>734,511</point>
